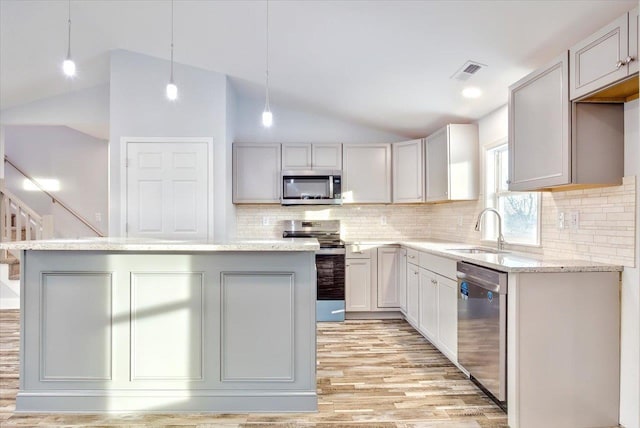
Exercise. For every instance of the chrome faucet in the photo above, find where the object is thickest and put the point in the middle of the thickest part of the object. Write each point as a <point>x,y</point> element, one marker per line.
<point>500,235</point>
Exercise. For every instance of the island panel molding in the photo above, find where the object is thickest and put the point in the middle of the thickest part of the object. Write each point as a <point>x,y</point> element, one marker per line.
<point>125,309</point>
<point>259,347</point>
<point>76,326</point>
<point>167,325</point>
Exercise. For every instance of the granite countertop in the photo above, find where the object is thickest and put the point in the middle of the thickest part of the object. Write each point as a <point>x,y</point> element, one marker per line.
<point>163,245</point>
<point>507,261</point>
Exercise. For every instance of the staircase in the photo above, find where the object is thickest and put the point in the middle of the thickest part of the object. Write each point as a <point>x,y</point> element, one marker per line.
<point>18,222</point>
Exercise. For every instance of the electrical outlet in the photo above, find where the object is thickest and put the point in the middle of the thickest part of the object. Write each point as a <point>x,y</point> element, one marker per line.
<point>561,221</point>
<point>383,220</point>
<point>575,220</point>
<point>265,221</point>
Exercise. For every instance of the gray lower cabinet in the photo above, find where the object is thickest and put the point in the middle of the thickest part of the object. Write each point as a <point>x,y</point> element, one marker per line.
<point>413,286</point>
<point>402,279</point>
<point>605,57</point>
<point>553,142</point>
<point>256,173</point>
<point>372,278</point>
<point>432,305</point>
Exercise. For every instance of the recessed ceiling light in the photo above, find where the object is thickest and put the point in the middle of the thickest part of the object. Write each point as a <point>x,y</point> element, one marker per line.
<point>471,92</point>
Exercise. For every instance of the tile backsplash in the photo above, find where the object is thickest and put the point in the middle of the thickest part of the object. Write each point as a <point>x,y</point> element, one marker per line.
<point>605,233</point>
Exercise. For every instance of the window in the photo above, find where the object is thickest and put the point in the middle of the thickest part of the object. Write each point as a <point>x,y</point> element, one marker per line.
<point>519,210</point>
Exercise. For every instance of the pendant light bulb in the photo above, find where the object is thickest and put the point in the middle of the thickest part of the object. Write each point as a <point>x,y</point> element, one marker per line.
<point>68,66</point>
<point>267,119</point>
<point>172,91</point>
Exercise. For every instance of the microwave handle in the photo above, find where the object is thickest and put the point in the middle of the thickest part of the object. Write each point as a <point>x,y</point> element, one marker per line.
<point>331,186</point>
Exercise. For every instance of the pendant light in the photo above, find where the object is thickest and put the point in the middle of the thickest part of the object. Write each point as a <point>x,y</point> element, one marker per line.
<point>267,116</point>
<point>172,89</point>
<point>68,66</point>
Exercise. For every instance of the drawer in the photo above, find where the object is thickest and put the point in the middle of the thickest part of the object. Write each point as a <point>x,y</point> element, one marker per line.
<point>413,256</point>
<point>360,251</point>
<point>440,265</point>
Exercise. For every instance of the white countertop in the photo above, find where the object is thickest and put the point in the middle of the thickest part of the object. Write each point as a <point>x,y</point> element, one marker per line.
<point>162,245</point>
<point>508,261</point>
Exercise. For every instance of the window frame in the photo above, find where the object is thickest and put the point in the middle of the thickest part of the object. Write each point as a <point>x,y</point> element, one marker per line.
<point>491,199</point>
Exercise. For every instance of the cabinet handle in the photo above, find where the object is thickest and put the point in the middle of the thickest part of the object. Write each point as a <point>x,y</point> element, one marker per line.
<point>412,257</point>
<point>619,64</point>
<point>433,281</point>
<point>508,181</point>
<point>415,273</point>
<point>628,60</point>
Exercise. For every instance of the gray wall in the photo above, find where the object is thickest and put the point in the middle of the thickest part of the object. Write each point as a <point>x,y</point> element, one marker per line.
<point>139,108</point>
<point>78,161</point>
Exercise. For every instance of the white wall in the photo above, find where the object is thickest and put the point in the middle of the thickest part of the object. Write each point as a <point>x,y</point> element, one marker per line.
<point>291,125</point>
<point>139,108</point>
<point>86,110</point>
<point>630,299</point>
<point>78,161</point>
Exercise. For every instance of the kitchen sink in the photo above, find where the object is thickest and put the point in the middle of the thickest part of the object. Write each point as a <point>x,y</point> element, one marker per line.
<point>477,250</point>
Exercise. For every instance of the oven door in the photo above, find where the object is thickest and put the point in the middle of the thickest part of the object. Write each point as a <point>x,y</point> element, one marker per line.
<point>330,266</point>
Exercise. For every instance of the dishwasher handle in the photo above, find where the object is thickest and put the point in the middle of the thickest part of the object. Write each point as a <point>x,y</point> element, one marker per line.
<point>479,282</point>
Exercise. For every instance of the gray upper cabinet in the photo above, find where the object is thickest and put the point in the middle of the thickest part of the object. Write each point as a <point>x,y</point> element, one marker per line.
<point>408,171</point>
<point>608,55</point>
<point>366,173</point>
<point>539,133</point>
<point>296,156</point>
<point>326,156</point>
<point>553,142</point>
<point>312,156</point>
<point>451,164</point>
<point>256,173</point>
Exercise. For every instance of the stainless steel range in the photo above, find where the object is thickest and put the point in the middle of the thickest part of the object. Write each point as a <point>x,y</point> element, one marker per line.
<point>330,264</point>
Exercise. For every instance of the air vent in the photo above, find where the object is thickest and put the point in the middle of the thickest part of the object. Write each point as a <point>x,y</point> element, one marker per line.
<point>465,72</point>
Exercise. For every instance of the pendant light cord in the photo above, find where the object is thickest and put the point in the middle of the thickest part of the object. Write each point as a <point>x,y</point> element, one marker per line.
<point>267,72</point>
<point>69,33</point>
<point>171,41</point>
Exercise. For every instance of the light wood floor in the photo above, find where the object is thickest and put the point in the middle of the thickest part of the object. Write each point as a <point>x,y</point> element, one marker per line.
<point>370,373</point>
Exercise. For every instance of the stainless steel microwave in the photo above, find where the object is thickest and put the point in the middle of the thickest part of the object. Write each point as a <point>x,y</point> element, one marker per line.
<point>311,187</point>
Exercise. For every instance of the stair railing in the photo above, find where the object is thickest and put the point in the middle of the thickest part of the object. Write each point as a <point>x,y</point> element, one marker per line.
<point>54,199</point>
<point>15,216</point>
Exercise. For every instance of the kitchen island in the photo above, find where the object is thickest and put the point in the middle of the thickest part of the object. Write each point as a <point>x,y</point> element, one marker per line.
<point>120,325</point>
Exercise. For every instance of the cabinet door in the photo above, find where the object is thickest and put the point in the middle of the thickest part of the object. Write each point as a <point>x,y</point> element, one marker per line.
<point>326,156</point>
<point>366,175</point>
<point>596,60</point>
<point>296,156</point>
<point>408,177</point>
<point>388,290</point>
<point>402,279</point>
<point>256,173</point>
<point>448,316</point>
<point>437,166</point>
<point>358,285</point>
<point>428,310</point>
<point>413,294</point>
<point>539,128</point>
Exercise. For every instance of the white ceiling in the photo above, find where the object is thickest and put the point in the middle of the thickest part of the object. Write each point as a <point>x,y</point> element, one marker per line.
<point>386,64</point>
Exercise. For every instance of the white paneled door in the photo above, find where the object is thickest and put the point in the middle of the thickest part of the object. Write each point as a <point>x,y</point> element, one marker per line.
<point>167,190</point>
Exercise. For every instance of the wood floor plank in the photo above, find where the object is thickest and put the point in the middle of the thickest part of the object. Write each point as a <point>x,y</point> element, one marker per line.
<point>371,373</point>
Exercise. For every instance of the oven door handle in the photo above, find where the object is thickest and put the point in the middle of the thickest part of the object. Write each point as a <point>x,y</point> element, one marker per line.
<point>330,251</point>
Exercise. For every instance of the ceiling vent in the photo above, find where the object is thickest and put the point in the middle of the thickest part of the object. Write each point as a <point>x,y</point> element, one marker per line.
<point>465,72</point>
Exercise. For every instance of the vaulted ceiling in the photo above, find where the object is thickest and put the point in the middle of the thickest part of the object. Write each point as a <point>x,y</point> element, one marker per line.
<point>386,64</point>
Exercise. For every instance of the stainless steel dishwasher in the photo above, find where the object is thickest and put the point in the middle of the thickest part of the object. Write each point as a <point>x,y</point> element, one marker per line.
<point>482,328</point>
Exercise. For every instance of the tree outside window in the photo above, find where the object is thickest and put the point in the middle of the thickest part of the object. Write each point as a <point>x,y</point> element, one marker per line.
<point>519,210</point>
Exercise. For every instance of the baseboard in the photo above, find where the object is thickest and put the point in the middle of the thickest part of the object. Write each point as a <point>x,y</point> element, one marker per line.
<point>386,315</point>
